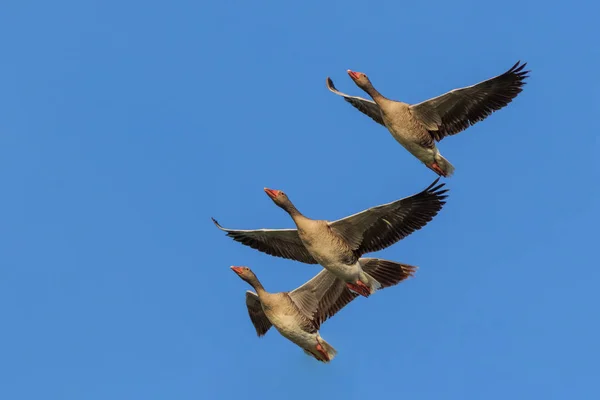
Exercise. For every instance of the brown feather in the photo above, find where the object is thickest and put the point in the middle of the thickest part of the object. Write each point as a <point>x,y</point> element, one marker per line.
<point>458,109</point>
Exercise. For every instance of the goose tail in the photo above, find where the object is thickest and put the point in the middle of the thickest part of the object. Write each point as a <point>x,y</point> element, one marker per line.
<point>444,165</point>
<point>383,273</point>
<point>322,351</point>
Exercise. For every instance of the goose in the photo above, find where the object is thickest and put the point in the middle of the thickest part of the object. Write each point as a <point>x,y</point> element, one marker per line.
<point>338,245</point>
<point>418,126</point>
<point>298,314</point>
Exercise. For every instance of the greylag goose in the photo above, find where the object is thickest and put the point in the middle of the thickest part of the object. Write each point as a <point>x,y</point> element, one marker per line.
<point>418,126</point>
<point>338,245</point>
<point>298,314</point>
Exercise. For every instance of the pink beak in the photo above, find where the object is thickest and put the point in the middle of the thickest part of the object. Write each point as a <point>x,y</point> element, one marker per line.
<point>271,193</point>
<point>237,270</point>
<point>354,75</point>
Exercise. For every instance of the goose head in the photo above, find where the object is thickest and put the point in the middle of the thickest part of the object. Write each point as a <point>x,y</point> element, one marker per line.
<point>246,274</point>
<point>280,199</point>
<point>361,79</point>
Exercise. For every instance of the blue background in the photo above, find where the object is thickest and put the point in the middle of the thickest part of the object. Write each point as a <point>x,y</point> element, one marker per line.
<point>126,125</point>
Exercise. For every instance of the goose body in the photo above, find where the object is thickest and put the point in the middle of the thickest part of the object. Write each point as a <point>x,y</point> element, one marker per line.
<point>297,315</point>
<point>327,248</point>
<point>339,245</point>
<point>292,324</point>
<point>408,132</point>
<point>334,254</point>
<point>417,127</point>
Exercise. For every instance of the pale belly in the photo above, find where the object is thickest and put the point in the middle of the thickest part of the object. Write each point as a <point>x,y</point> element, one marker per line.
<point>331,261</point>
<point>331,253</point>
<point>288,327</point>
<point>402,135</point>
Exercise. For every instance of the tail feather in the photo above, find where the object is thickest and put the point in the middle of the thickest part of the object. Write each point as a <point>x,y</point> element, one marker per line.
<point>384,273</point>
<point>331,352</point>
<point>444,165</point>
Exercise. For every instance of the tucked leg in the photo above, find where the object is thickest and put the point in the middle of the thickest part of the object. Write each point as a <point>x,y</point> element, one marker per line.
<point>322,351</point>
<point>359,288</point>
<point>434,166</point>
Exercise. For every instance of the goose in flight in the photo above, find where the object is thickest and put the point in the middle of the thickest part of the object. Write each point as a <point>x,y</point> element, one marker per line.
<point>298,314</point>
<point>339,245</point>
<point>418,126</point>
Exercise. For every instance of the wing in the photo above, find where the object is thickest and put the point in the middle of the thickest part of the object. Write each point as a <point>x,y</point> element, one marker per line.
<point>283,243</point>
<point>257,315</point>
<point>322,297</point>
<point>365,106</point>
<point>379,227</point>
<point>458,109</point>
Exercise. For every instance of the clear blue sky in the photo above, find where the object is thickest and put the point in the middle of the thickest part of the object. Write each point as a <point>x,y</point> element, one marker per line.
<point>126,125</point>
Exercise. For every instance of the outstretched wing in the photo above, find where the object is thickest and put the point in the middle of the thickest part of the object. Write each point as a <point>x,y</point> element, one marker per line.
<point>257,315</point>
<point>458,109</point>
<point>379,227</point>
<point>322,297</point>
<point>283,243</point>
<point>365,106</point>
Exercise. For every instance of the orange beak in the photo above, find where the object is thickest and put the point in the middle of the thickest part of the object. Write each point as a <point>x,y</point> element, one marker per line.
<point>238,270</point>
<point>271,193</point>
<point>354,75</point>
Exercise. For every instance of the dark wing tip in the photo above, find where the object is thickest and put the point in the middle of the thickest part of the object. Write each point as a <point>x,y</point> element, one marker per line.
<point>517,67</point>
<point>330,85</point>
<point>435,190</point>
<point>438,193</point>
<point>517,70</point>
<point>217,224</point>
<point>433,184</point>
